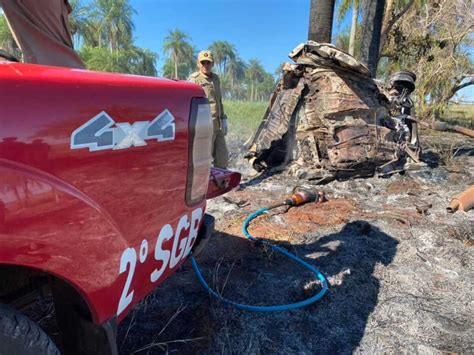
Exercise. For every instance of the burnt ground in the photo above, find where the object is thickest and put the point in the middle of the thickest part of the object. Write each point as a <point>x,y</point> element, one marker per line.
<point>400,268</point>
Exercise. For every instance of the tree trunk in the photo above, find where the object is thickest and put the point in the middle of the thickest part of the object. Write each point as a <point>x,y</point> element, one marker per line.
<point>321,15</point>
<point>355,15</point>
<point>175,67</point>
<point>390,19</point>
<point>372,26</point>
<point>387,16</point>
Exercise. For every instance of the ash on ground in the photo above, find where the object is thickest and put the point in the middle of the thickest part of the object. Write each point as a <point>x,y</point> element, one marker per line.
<point>401,268</point>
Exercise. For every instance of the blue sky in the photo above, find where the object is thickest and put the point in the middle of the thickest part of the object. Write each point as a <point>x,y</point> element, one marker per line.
<point>264,29</point>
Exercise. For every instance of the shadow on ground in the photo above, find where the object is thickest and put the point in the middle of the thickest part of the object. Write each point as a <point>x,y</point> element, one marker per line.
<point>181,317</point>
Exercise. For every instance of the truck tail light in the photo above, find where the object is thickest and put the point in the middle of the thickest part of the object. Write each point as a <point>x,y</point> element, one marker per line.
<point>200,154</point>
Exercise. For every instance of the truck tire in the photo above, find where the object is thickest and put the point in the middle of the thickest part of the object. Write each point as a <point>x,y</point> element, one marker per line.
<point>19,335</point>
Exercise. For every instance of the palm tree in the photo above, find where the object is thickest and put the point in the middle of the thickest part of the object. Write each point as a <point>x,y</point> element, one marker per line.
<point>372,27</point>
<point>142,61</point>
<point>266,86</point>
<point>236,70</point>
<point>80,24</point>
<point>342,40</point>
<point>223,53</point>
<point>255,75</point>
<point>132,60</point>
<point>321,15</point>
<point>168,70</point>
<point>114,21</point>
<point>104,30</point>
<point>343,8</point>
<point>217,49</point>
<point>178,49</point>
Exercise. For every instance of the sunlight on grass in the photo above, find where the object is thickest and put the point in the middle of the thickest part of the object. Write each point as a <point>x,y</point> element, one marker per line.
<point>244,117</point>
<point>460,114</point>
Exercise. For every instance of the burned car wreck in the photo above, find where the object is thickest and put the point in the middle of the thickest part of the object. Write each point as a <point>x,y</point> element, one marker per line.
<point>328,119</point>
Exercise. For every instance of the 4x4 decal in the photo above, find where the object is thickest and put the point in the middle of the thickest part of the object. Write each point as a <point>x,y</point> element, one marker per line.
<point>99,133</point>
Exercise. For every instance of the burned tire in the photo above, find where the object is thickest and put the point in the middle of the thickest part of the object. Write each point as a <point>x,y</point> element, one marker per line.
<point>19,335</point>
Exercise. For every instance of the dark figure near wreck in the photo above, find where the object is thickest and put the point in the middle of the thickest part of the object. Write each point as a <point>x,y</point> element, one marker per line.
<point>328,119</point>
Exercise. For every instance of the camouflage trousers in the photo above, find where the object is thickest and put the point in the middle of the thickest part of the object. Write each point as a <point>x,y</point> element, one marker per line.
<point>220,154</point>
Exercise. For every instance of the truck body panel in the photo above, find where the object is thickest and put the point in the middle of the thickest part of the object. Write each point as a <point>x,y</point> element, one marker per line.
<point>109,218</point>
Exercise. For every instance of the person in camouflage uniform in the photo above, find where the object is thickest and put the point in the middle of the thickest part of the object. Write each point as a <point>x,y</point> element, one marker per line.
<point>212,87</point>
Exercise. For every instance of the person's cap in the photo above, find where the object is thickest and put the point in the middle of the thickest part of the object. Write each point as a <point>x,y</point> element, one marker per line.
<point>205,55</point>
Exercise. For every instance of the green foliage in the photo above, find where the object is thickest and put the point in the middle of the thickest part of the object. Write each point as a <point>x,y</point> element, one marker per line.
<point>181,55</point>
<point>223,52</point>
<point>460,114</point>
<point>7,42</point>
<point>433,41</point>
<point>244,117</point>
<point>260,83</point>
<point>344,6</point>
<point>112,22</point>
<point>103,33</point>
<point>239,80</point>
<point>343,40</point>
<point>105,30</point>
<point>132,60</point>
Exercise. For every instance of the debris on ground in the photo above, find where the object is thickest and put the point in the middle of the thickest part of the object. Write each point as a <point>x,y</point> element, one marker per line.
<point>464,202</point>
<point>411,267</point>
<point>400,267</point>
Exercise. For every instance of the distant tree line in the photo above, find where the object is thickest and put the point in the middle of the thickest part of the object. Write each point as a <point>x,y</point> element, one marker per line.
<point>103,32</point>
<point>240,80</point>
<point>432,38</point>
<point>103,36</point>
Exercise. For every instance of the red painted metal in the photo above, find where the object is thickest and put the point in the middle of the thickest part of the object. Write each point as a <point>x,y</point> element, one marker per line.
<point>76,213</point>
<point>221,181</point>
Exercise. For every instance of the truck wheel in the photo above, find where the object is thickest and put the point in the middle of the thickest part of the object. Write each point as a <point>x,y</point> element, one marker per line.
<point>19,335</point>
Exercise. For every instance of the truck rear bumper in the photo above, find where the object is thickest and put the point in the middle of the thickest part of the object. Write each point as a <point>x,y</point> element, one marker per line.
<point>204,234</point>
<point>221,181</point>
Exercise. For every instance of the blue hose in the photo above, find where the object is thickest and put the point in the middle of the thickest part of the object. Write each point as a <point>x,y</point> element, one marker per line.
<point>276,308</point>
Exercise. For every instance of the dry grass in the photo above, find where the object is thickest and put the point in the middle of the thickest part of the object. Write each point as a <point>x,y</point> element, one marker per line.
<point>396,288</point>
<point>447,154</point>
<point>460,114</point>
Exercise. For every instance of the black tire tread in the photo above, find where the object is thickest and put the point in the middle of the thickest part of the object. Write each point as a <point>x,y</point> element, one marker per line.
<point>24,333</point>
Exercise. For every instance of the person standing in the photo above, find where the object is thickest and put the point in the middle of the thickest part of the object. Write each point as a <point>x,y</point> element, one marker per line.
<point>210,82</point>
<point>41,30</point>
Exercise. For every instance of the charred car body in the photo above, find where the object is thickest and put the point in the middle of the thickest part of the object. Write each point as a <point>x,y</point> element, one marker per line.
<point>329,119</point>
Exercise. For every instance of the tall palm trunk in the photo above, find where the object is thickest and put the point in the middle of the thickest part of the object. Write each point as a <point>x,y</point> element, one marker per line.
<point>175,60</point>
<point>355,15</point>
<point>372,27</point>
<point>321,16</point>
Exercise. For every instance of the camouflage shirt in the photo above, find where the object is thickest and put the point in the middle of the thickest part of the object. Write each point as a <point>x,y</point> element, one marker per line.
<point>212,88</point>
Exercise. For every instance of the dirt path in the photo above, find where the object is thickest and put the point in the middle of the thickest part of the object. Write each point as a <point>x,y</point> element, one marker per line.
<point>400,267</point>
